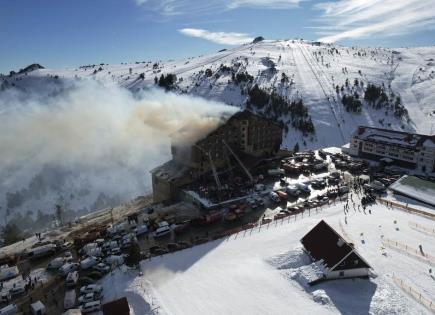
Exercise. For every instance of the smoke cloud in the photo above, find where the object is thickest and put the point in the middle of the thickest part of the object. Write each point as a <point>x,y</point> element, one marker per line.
<point>90,140</point>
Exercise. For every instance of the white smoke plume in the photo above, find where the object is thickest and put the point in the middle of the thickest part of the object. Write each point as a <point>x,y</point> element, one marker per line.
<point>91,139</point>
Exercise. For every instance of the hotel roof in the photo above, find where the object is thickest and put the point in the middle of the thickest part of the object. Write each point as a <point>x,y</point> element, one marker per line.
<point>400,138</point>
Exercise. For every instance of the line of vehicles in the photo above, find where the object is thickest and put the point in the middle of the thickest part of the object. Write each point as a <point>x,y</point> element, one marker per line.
<point>89,299</point>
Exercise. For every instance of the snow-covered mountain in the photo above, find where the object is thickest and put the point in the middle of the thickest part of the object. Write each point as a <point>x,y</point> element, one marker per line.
<point>292,69</point>
<point>320,92</point>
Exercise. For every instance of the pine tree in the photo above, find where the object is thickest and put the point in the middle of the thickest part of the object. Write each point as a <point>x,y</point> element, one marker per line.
<point>133,257</point>
<point>296,147</point>
<point>10,234</point>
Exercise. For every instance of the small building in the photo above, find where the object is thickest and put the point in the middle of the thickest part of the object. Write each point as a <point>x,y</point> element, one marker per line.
<point>404,149</point>
<point>116,307</point>
<point>338,257</point>
<point>415,188</point>
<point>38,308</point>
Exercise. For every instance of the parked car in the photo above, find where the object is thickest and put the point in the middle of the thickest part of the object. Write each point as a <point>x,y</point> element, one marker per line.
<point>17,290</point>
<point>71,279</point>
<point>172,247</point>
<point>10,309</point>
<point>96,275</point>
<point>90,307</point>
<point>115,251</point>
<point>259,200</point>
<point>102,267</point>
<point>91,289</point>
<point>252,203</point>
<point>184,244</point>
<point>56,263</point>
<point>343,190</point>
<point>274,197</point>
<point>141,230</point>
<point>107,246</point>
<point>5,297</point>
<point>162,231</point>
<point>70,299</point>
<point>322,200</point>
<point>85,281</point>
<point>182,226</point>
<point>67,268</point>
<point>292,190</point>
<point>88,263</point>
<point>318,183</point>
<point>88,297</point>
<point>279,216</point>
<point>304,188</point>
<point>67,254</point>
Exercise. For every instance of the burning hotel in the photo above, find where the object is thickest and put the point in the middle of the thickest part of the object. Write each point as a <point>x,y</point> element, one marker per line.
<point>234,146</point>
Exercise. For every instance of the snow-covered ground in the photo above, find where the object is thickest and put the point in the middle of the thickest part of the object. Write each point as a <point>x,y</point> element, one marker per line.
<point>313,74</point>
<point>265,271</point>
<point>313,71</point>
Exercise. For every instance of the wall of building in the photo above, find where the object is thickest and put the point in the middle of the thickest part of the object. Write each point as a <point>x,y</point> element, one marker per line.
<point>161,189</point>
<point>348,273</point>
<point>420,157</point>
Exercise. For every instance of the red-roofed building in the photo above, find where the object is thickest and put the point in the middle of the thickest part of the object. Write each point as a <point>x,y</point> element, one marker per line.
<point>116,307</point>
<point>338,257</point>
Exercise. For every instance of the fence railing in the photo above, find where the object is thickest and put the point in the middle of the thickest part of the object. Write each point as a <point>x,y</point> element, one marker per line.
<point>410,250</point>
<point>422,228</point>
<point>415,293</point>
<point>256,227</point>
<point>407,208</point>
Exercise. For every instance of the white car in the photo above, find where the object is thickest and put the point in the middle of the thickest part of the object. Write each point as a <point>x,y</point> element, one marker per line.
<point>67,268</point>
<point>103,268</point>
<point>67,254</point>
<point>161,231</point>
<point>163,224</point>
<point>71,279</point>
<point>56,263</point>
<point>90,307</point>
<point>91,288</point>
<point>88,297</point>
<point>141,229</point>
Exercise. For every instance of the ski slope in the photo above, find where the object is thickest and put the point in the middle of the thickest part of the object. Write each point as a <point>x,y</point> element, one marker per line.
<point>266,272</point>
<point>408,71</point>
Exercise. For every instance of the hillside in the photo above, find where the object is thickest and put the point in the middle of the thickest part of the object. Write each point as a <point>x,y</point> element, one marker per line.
<point>319,92</point>
<point>265,271</point>
<point>319,75</point>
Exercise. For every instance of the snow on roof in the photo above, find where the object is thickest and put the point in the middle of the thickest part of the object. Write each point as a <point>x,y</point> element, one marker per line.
<point>324,243</point>
<point>400,138</point>
<point>415,188</point>
<point>170,171</point>
<point>37,307</point>
<point>429,143</point>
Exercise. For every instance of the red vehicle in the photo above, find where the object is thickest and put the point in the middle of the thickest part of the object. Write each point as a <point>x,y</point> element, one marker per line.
<point>207,219</point>
<point>182,227</point>
<point>282,195</point>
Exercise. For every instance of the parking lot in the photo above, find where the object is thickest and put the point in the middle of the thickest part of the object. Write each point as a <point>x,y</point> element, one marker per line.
<point>158,229</point>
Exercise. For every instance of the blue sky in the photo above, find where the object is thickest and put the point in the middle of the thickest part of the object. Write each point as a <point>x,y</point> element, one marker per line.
<point>60,33</point>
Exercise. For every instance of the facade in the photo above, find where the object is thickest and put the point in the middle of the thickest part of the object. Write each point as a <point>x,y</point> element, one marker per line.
<point>412,151</point>
<point>245,134</point>
<point>339,258</point>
